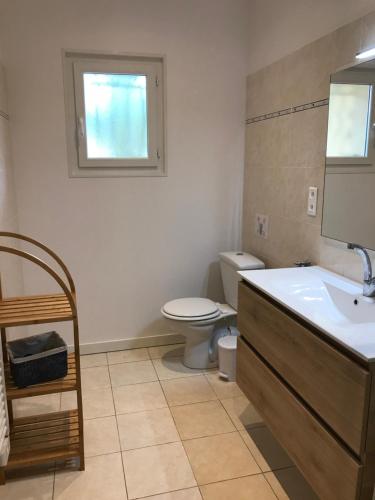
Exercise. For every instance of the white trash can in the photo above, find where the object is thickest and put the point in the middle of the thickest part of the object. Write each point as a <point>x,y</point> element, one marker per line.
<point>227,357</point>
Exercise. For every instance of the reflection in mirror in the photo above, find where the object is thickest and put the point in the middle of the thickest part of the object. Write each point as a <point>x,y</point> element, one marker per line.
<point>349,190</point>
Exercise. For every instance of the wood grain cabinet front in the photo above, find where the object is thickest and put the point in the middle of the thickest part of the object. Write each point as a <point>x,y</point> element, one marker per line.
<point>318,400</point>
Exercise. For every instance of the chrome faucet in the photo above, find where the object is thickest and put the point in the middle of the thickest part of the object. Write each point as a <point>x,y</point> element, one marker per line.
<point>368,279</point>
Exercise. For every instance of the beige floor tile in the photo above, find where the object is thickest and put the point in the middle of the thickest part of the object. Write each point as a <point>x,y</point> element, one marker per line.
<point>223,389</point>
<point>157,469</point>
<point>265,449</point>
<point>147,428</point>
<point>242,412</point>
<point>190,494</point>
<point>98,403</point>
<point>102,479</point>
<point>127,356</point>
<point>139,397</point>
<point>201,419</point>
<point>48,403</point>
<point>68,400</point>
<point>91,360</point>
<point>289,484</point>
<point>101,436</point>
<point>132,373</point>
<point>166,351</point>
<point>188,390</point>
<point>217,458</point>
<point>95,378</point>
<point>169,368</point>
<point>245,488</point>
<point>35,488</point>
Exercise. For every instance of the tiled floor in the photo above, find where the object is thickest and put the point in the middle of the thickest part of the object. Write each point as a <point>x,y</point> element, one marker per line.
<point>155,429</point>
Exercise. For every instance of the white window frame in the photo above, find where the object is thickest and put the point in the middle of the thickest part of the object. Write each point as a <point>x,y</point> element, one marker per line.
<point>75,64</point>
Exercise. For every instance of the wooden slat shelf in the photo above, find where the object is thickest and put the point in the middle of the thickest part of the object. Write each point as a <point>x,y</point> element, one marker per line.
<point>44,438</point>
<point>68,383</point>
<point>54,437</point>
<point>34,310</point>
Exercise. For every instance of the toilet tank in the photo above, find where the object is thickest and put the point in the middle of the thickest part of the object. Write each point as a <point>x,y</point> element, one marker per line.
<point>230,263</point>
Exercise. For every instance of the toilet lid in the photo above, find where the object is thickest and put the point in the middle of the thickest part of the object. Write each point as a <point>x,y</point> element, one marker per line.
<point>191,308</point>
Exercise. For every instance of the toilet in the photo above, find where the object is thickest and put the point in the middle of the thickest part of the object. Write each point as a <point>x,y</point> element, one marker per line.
<point>202,321</point>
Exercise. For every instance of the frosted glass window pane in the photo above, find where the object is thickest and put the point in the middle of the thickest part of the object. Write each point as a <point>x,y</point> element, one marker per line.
<point>349,109</point>
<point>116,115</point>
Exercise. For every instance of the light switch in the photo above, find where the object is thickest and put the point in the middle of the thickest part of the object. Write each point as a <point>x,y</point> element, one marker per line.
<point>261,225</point>
<point>312,201</point>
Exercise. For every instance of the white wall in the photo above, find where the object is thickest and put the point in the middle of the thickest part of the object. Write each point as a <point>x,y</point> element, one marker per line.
<point>278,28</point>
<point>132,243</point>
<point>10,267</point>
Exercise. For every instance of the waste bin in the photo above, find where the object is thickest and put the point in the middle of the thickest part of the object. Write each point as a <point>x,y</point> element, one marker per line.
<point>227,357</point>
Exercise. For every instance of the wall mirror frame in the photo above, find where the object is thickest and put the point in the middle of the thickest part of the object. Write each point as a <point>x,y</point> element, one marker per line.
<point>349,182</point>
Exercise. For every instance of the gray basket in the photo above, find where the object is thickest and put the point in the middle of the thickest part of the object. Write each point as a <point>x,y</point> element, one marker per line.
<point>38,359</point>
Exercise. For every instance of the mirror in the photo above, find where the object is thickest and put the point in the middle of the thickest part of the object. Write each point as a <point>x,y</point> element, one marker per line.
<point>349,188</point>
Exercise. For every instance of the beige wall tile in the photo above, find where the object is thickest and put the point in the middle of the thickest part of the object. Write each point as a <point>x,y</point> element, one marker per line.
<point>217,458</point>
<point>148,428</point>
<point>305,73</point>
<point>367,32</point>
<point>103,478</point>
<point>201,419</point>
<point>243,488</point>
<point>278,147</point>
<point>157,469</point>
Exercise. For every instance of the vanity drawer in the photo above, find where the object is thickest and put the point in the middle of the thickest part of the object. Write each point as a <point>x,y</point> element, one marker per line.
<point>326,465</point>
<point>333,385</point>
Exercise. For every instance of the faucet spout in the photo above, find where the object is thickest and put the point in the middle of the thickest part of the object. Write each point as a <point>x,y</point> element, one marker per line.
<point>368,279</point>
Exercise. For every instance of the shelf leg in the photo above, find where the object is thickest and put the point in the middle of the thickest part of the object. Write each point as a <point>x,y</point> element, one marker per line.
<point>79,395</point>
<point>10,412</point>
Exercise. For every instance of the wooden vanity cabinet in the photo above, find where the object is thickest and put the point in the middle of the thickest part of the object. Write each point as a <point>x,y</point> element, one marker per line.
<point>317,398</point>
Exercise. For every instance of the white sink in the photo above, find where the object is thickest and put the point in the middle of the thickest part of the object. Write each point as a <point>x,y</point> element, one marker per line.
<point>326,300</point>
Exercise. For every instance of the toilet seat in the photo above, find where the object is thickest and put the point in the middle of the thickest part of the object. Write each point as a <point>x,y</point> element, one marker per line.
<point>191,309</point>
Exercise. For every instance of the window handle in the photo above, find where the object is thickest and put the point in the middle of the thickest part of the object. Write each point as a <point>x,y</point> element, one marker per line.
<point>81,126</point>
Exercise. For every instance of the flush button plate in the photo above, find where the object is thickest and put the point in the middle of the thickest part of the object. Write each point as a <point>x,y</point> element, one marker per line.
<point>261,226</point>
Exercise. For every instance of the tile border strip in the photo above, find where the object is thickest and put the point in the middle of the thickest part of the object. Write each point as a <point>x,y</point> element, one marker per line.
<point>4,115</point>
<point>288,111</point>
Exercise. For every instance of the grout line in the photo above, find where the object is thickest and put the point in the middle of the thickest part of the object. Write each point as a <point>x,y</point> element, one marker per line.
<point>270,485</point>
<point>118,437</point>
<point>182,443</point>
<point>170,491</point>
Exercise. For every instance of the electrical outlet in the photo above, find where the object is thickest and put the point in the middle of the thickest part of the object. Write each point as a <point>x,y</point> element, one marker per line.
<point>261,225</point>
<point>312,201</point>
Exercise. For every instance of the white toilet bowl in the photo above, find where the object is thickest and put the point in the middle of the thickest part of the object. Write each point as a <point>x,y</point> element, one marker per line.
<point>201,321</point>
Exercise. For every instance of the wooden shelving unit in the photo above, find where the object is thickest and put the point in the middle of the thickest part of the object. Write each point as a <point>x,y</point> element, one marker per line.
<point>55,436</point>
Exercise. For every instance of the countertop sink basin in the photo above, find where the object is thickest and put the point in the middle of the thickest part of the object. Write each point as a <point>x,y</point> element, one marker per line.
<point>326,300</point>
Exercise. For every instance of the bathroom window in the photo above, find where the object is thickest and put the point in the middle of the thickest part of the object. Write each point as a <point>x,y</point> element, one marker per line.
<point>115,115</point>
